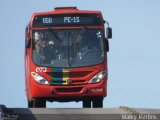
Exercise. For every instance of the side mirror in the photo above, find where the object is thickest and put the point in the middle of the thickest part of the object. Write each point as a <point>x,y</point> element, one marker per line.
<point>109,32</point>
<point>27,38</point>
<point>107,44</point>
<point>28,43</point>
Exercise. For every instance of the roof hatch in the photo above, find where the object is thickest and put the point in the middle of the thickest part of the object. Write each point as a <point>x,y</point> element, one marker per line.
<point>66,8</point>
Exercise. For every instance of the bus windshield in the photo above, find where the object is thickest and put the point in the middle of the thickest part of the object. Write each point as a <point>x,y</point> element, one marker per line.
<point>68,48</point>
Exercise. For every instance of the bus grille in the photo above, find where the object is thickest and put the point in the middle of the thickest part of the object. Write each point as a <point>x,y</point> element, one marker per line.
<point>69,78</point>
<point>70,74</point>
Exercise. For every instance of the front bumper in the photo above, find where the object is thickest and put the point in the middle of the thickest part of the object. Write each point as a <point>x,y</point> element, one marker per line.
<point>78,91</point>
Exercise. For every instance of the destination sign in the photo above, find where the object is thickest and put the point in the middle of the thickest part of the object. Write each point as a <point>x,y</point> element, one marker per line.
<point>67,20</point>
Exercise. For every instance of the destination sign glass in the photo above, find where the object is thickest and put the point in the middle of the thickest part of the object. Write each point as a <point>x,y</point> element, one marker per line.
<point>67,20</point>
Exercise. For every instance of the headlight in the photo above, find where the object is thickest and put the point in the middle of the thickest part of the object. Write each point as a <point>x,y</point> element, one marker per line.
<point>97,78</point>
<point>38,78</point>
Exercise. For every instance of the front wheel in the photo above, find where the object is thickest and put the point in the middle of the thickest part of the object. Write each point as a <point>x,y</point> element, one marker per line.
<point>98,102</point>
<point>86,103</point>
<point>30,104</point>
<point>37,103</point>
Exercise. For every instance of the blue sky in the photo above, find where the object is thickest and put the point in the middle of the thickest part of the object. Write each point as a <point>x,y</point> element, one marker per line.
<point>134,59</point>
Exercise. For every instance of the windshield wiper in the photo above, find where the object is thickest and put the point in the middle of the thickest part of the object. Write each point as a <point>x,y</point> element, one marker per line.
<point>79,38</point>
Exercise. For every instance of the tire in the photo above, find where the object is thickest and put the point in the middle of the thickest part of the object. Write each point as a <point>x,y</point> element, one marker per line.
<point>37,103</point>
<point>86,103</point>
<point>30,104</point>
<point>98,102</point>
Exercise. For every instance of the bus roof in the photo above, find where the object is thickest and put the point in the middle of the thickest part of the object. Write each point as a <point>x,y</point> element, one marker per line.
<point>66,10</point>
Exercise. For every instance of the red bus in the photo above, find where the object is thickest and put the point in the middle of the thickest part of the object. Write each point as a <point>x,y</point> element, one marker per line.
<point>65,57</point>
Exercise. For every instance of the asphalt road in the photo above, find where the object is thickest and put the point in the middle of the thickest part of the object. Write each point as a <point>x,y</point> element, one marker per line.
<point>79,114</point>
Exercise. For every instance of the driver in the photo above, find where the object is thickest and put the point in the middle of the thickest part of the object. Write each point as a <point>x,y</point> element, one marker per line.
<point>49,52</point>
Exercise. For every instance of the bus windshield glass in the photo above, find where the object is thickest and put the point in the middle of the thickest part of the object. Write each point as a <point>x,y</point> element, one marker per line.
<point>68,48</point>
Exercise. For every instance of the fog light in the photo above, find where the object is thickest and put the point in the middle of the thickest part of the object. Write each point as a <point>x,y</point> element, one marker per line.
<point>86,91</point>
<point>52,91</point>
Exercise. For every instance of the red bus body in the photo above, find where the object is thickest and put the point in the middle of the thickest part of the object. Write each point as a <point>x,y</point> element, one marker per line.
<point>75,81</point>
